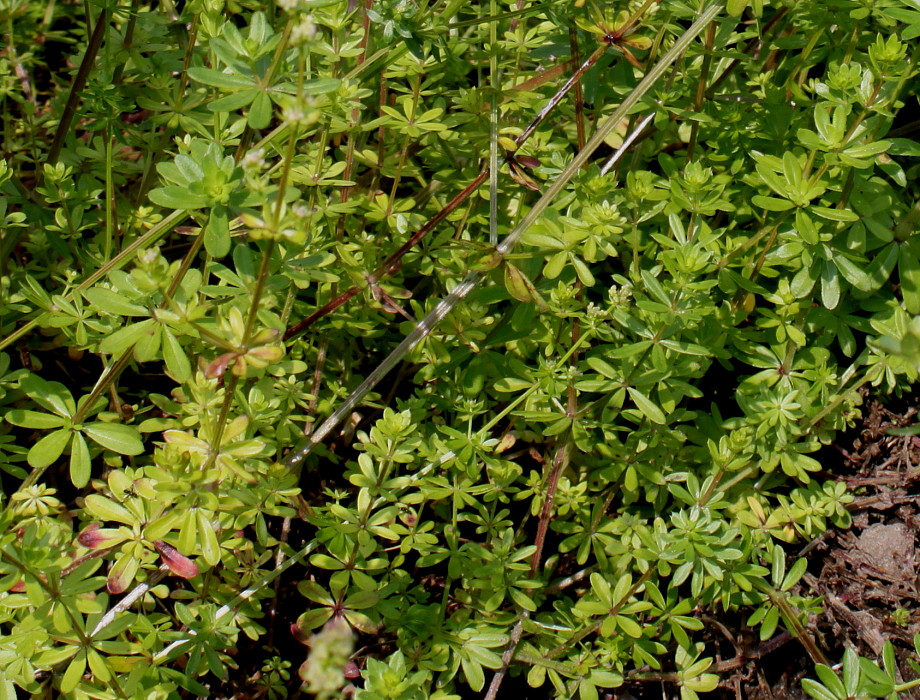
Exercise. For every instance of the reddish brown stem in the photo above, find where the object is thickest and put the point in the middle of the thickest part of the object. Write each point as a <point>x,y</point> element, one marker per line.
<point>563,91</point>
<point>579,94</point>
<point>392,263</point>
<point>79,82</point>
<point>300,327</point>
<point>559,462</point>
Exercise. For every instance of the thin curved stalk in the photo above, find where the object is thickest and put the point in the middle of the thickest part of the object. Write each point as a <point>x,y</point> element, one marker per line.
<point>159,230</point>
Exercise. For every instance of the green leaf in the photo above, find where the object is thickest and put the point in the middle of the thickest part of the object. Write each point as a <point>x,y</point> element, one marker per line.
<point>320,86</point>
<point>314,592</point>
<point>99,666</point>
<point>795,574</point>
<point>473,673</point>
<point>817,691</point>
<point>909,274</point>
<point>260,113</point>
<point>217,233</point>
<point>313,618</point>
<point>647,407</point>
<point>324,561</point>
<point>792,170</point>
<point>704,683</point>
<point>736,7</point>
<point>113,303</point>
<point>772,180</point>
<point>52,396</point>
<point>771,203</point>
<point>686,348</point>
<point>834,214</point>
<point>234,101</point>
<point>175,197</point>
<point>879,270</point>
<point>210,547</point>
<point>177,363</point>
<point>188,168</point>
<point>122,573</point>
<point>187,540</point>
<point>34,419</point>
<point>583,272</point>
<point>120,438</point>
<point>47,450</point>
<point>74,672</point>
<point>105,508</point>
<point>629,626</point>
<point>770,622</point>
<point>831,680</point>
<point>225,81</point>
<point>80,462</point>
<point>362,600</point>
<point>830,285</point>
<point>555,265</point>
<point>853,274</point>
<point>866,150</point>
<point>127,337</point>
<point>7,689</point>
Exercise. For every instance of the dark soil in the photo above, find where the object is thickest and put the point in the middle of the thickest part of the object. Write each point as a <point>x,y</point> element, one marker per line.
<point>867,574</point>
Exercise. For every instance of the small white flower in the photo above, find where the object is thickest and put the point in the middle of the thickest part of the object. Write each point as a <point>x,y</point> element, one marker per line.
<point>254,160</point>
<point>304,32</point>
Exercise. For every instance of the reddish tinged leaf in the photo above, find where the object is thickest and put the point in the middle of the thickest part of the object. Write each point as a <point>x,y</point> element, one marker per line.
<point>301,635</point>
<point>351,670</point>
<point>88,538</point>
<point>528,161</point>
<point>122,574</point>
<point>178,563</point>
<point>522,178</point>
<point>97,537</point>
<point>19,587</point>
<point>266,353</point>
<point>219,365</point>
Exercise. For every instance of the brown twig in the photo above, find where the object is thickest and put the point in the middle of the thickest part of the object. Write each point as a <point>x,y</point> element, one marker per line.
<point>579,93</point>
<point>79,82</point>
<point>507,657</point>
<point>560,461</point>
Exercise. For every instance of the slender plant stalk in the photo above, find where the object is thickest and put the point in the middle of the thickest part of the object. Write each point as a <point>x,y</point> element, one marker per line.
<point>560,462</point>
<point>507,657</point>
<point>753,47</point>
<point>76,87</point>
<point>701,90</point>
<point>579,92</point>
<point>495,83</point>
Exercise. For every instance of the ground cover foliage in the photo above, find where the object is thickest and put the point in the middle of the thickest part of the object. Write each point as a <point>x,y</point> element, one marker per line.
<point>492,344</point>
